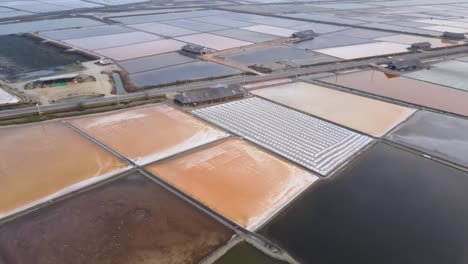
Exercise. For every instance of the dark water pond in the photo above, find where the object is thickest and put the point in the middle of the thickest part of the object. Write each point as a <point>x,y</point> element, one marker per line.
<point>390,206</point>
<point>181,73</point>
<point>21,54</point>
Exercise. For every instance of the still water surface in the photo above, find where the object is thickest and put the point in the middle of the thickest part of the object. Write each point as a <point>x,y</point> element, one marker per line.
<point>390,206</point>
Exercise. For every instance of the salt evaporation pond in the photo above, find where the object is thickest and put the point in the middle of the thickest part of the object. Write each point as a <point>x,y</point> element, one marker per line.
<point>129,220</point>
<point>389,206</point>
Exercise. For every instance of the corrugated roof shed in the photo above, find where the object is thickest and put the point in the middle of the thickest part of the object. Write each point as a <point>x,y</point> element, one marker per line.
<point>195,49</point>
<point>452,35</point>
<point>210,94</point>
<point>409,64</point>
<point>420,45</point>
<point>57,77</point>
<point>305,34</point>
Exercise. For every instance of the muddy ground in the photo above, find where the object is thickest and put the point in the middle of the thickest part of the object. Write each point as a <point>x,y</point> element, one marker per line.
<point>131,220</point>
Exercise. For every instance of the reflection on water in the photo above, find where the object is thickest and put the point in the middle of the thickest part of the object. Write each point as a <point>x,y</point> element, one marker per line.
<point>436,134</point>
<point>21,55</point>
<point>405,89</point>
<point>390,207</point>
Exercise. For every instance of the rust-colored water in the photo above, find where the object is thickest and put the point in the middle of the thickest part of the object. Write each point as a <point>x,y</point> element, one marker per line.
<point>405,89</point>
<point>44,160</point>
<point>148,133</point>
<point>236,179</point>
<point>360,113</point>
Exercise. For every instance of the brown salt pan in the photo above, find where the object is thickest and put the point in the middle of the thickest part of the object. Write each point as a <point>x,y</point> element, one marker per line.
<point>236,179</point>
<point>148,133</point>
<point>360,113</point>
<point>405,89</point>
<point>39,162</point>
<point>131,220</point>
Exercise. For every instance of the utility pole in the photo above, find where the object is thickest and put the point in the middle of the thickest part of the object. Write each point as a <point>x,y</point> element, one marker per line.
<point>38,109</point>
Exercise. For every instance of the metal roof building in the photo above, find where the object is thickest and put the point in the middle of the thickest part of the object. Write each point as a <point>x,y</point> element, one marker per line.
<point>406,65</point>
<point>57,77</point>
<point>420,46</point>
<point>210,95</point>
<point>195,49</point>
<point>303,35</point>
<point>453,36</point>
